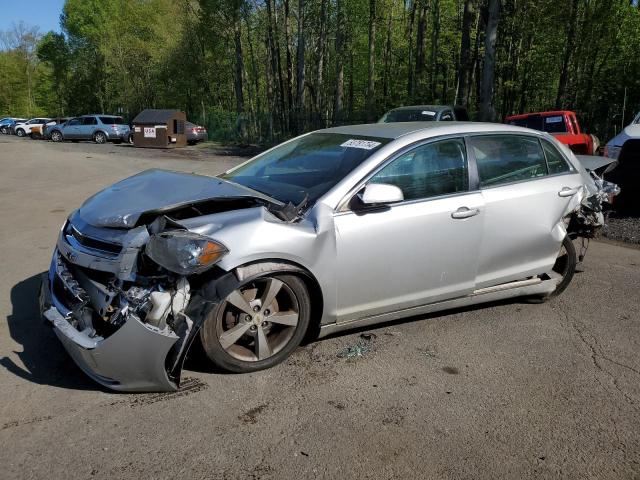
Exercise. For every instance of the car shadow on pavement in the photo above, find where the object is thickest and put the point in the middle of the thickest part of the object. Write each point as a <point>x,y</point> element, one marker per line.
<point>43,356</point>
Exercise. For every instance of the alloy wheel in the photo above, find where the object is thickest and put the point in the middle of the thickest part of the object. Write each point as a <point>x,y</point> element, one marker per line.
<point>100,137</point>
<point>56,136</point>
<point>258,320</point>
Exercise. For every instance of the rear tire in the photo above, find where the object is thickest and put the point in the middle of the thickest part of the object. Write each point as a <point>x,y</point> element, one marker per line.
<point>565,266</point>
<point>4,130</point>
<point>99,137</point>
<point>20,133</point>
<point>234,337</point>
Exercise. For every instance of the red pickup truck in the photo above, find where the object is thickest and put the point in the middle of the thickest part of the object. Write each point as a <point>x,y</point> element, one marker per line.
<point>563,125</point>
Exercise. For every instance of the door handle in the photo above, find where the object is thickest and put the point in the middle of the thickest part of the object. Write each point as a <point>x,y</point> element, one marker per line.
<point>465,212</point>
<point>567,192</point>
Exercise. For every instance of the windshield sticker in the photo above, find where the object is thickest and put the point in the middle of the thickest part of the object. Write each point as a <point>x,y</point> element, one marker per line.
<point>553,120</point>
<point>364,144</point>
<point>428,112</point>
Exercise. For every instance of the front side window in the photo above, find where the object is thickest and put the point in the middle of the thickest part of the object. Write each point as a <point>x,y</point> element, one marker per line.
<point>430,170</point>
<point>308,166</point>
<point>555,161</point>
<point>74,121</point>
<point>508,158</point>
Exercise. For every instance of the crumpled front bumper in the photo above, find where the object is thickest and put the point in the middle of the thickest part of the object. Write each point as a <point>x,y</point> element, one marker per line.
<point>131,359</point>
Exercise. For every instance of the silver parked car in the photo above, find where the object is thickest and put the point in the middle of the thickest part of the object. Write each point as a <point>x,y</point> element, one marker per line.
<point>335,229</point>
<point>99,128</point>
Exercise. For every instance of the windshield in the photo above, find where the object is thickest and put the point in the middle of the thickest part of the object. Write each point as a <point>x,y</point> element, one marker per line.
<point>409,115</point>
<point>306,166</point>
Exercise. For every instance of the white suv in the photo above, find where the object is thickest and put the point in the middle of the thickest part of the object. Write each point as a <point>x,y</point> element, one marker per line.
<point>631,132</point>
<point>24,129</point>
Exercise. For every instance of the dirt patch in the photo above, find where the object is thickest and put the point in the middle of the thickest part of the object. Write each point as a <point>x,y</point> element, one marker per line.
<point>250,417</point>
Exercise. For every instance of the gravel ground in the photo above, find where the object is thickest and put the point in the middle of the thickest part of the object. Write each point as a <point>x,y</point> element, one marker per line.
<point>622,230</point>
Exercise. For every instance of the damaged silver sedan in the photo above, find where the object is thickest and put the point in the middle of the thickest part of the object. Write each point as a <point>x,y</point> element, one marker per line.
<point>335,229</point>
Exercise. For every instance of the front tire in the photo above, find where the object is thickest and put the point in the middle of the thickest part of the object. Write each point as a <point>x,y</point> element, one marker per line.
<point>56,136</point>
<point>20,133</point>
<point>258,325</point>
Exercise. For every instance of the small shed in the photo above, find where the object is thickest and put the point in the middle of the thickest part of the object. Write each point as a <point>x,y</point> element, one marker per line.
<point>159,128</point>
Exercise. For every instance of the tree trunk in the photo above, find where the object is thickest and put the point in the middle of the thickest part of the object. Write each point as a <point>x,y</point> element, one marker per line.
<point>435,47</point>
<point>410,66</point>
<point>372,61</point>
<point>338,93</point>
<point>462,97</point>
<point>387,62</point>
<point>568,50</point>
<point>322,44</point>
<point>487,111</point>
<point>300,68</point>
<point>287,45</point>
<point>238,80</point>
<point>420,34</point>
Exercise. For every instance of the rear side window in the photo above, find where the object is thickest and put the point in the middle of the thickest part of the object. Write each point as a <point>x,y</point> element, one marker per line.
<point>508,158</point>
<point>555,124</point>
<point>112,120</point>
<point>555,161</point>
<point>89,121</point>
<point>438,168</point>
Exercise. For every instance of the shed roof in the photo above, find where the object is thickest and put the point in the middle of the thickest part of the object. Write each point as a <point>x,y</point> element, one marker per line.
<point>153,115</point>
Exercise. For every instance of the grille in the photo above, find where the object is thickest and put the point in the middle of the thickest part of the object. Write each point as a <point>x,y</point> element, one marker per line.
<point>93,243</point>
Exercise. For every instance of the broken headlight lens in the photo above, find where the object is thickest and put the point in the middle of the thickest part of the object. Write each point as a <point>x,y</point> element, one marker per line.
<point>184,252</point>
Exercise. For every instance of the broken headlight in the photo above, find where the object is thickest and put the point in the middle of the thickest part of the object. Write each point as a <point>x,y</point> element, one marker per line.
<point>184,252</point>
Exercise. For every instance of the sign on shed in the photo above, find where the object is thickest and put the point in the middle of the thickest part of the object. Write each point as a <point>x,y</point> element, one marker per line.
<point>159,128</point>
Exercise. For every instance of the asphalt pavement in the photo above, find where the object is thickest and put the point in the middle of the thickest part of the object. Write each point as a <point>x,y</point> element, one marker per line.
<point>504,391</point>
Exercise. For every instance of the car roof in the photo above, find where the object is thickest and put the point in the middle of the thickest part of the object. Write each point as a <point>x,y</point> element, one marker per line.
<point>540,114</point>
<point>430,129</point>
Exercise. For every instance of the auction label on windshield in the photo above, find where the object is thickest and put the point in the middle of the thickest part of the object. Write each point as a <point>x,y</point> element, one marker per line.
<point>364,144</point>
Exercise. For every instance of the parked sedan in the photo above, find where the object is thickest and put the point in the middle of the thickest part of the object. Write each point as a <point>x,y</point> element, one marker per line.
<point>99,128</point>
<point>335,229</point>
<point>195,133</point>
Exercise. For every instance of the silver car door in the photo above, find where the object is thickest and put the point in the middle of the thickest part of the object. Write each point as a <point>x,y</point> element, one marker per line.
<point>421,250</point>
<point>525,201</point>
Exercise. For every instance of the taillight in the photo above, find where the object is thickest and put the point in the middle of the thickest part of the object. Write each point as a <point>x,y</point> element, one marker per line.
<point>194,130</point>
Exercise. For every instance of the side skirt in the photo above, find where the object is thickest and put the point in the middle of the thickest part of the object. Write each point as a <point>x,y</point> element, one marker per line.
<point>521,288</point>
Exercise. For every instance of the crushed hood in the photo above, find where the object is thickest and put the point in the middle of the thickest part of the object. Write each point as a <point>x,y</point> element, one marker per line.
<point>121,204</point>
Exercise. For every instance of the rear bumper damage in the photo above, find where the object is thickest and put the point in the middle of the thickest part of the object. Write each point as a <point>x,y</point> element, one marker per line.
<point>134,358</point>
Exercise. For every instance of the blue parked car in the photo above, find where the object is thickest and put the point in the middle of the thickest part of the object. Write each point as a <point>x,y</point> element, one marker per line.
<point>7,123</point>
<point>99,128</point>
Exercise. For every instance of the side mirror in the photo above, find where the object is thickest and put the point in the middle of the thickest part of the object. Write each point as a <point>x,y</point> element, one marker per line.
<point>381,194</point>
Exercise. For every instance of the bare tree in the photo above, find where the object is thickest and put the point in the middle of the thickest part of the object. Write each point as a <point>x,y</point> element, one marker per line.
<point>487,112</point>
<point>372,62</point>
<point>464,69</point>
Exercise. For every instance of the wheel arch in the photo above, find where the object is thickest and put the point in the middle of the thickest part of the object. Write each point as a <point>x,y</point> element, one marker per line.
<point>219,283</point>
<point>259,268</point>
